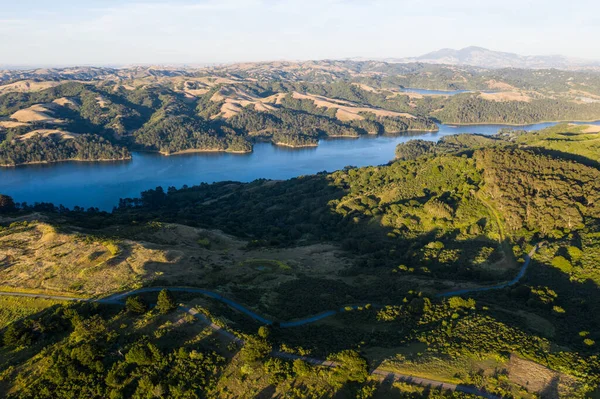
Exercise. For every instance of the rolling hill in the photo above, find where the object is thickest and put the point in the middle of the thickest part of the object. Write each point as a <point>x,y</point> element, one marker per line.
<point>485,58</point>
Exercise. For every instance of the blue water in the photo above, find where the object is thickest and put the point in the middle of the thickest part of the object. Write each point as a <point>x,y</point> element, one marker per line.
<point>101,184</point>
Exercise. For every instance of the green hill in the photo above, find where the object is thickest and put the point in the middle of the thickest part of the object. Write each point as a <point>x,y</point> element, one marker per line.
<point>381,249</point>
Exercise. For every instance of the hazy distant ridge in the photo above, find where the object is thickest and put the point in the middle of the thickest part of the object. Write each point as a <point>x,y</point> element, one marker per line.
<point>482,57</point>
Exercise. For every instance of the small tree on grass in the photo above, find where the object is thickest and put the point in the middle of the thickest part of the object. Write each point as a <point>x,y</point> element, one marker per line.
<point>353,368</point>
<point>255,349</point>
<point>17,335</point>
<point>135,304</point>
<point>166,302</point>
<point>264,332</point>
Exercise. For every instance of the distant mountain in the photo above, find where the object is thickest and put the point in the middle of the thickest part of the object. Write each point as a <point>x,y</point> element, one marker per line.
<point>482,57</point>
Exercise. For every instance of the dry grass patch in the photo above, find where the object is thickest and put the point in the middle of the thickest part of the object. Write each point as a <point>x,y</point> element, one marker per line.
<point>47,133</point>
<point>346,109</point>
<point>235,100</point>
<point>36,113</point>
<point>506,96</point>
<point>17,308</point>
<point>497,85</point>
<point>591,129</point>
<point>539,379</point>
<point>38,257</point>
<point>25,86</point>
<point>11,124</point>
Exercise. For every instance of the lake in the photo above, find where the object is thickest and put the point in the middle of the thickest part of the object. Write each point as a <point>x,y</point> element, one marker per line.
<point>101,184</point>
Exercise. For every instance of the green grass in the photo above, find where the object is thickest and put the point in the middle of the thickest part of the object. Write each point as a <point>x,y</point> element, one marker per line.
<point>16,308</point>
<point>567,139</point>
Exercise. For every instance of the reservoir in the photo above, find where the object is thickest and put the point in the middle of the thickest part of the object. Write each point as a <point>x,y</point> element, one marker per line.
<point>101,184</point>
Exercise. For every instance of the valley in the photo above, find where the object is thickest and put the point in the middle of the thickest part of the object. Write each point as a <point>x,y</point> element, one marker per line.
<point>105,114</point>
<point>445,265</point>
<point>340,199</point>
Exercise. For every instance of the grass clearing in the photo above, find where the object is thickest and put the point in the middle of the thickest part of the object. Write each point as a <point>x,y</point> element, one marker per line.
<point>16,308</point>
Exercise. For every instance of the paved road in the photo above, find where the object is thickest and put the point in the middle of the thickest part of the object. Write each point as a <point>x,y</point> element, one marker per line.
<point>514,281</point>
<point>385,375</point>
<point>44,296</point>
<point>119,298</point>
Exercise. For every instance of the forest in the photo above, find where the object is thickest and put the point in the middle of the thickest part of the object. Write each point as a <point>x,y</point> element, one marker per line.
<point>461,212</point>
<point>470,261</point>
<point>227,109</point>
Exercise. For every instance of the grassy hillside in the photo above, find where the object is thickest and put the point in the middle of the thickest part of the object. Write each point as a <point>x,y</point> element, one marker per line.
<point>90,114</point>
<point>376,245</point>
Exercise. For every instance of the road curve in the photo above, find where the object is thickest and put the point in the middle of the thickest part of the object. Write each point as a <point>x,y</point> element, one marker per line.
<point>119,297</point>
<point>383,374</point>
<point>514,281</point>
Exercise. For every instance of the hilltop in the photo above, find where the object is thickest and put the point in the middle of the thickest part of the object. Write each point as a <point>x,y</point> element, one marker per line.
<point>485,58</point>
<point>88,114</point>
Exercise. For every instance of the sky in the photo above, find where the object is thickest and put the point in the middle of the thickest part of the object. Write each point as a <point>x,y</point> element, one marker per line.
<point>193,32</point>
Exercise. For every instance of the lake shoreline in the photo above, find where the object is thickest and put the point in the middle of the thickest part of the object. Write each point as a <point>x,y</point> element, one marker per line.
<point>129,158</point>
<point>281,144</point>
<point>102,184</point>
<point>450,124</point>
<point>296,145</point>
<point>198,151</point>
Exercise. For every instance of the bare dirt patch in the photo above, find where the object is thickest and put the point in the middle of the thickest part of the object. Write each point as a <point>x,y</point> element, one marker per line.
<point>539,379</point>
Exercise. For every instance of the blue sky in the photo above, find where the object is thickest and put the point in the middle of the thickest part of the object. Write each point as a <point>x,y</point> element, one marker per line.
<point>111,32</point>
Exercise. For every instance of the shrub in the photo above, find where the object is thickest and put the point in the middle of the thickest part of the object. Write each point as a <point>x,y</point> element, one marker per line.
<point>353,367</point>
<point>112,247</point>
<point>135,304</point>
<point>560,262</point>
<point>166,302</point>
<point>558,309</point>
<point>17,335</point>
<point>575,253</point>
<point>140,354</point>
<point>457,302</point>
<point>255,349</point>
<point>264,332</point>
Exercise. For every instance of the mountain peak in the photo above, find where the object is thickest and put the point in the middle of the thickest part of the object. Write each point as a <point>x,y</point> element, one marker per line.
<point>486,58</point>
